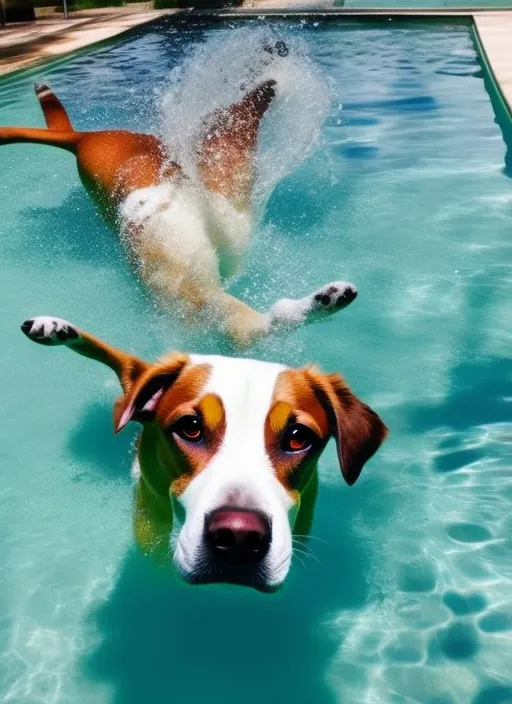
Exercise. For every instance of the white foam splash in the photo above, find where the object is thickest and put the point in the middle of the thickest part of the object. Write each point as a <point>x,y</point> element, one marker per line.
<point>219,72</point>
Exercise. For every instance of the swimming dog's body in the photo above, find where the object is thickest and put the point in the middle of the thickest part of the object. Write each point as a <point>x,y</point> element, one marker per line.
<point>179,230</point>
<point>227,459</point>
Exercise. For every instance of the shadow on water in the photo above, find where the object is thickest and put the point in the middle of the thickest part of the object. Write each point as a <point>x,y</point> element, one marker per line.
<point>94,442</point>
<point>501,115</point>
<point>163,641</point>
<point>479,384</point>
<point>478,391</point>
<point>72,230</point>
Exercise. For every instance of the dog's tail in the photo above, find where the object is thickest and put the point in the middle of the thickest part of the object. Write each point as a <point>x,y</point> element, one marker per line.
<point>54,111</point>
<point>60,132</point>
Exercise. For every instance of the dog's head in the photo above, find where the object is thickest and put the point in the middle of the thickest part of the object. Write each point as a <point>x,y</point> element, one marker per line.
<point>235,443</point>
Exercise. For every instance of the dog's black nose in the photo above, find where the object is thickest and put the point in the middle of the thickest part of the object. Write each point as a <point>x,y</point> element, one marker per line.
<point>238,537</point>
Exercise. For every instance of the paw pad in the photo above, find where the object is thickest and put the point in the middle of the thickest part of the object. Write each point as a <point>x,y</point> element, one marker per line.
<point>323,299</point>
<point>335,296</point>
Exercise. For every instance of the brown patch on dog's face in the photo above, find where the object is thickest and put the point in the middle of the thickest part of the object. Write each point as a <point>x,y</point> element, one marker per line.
<point>296,430</point>
<point>183,393</point>
<point>309,407</point>
<point>190,425</point>
<point>193,425</point>
<point>196,431</point>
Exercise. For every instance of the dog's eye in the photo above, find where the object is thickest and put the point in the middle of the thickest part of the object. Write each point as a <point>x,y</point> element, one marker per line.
<point>297,438</point>
<point>189,428</point>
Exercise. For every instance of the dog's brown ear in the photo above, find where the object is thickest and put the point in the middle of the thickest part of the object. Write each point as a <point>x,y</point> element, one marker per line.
<point>357,429</point>
<point>140,401</point>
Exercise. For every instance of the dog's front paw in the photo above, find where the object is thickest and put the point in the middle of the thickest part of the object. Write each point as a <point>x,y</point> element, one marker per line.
<point>49,331</point>
<point>333,297</point>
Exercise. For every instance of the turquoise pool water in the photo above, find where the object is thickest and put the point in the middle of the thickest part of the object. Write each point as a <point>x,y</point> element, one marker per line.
<point>407,596</point>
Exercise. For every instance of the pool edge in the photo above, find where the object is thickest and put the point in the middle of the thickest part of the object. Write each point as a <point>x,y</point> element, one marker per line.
<point>493,84</point>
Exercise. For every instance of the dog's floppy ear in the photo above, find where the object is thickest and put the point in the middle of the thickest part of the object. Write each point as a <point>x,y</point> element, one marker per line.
<point>357,429</point>
<point>140,401</point>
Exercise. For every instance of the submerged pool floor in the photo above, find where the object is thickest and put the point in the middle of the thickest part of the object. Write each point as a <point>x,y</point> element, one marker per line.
<point>407,593</point>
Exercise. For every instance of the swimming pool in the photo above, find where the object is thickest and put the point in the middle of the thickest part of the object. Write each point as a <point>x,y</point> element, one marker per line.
<point>407,594</point>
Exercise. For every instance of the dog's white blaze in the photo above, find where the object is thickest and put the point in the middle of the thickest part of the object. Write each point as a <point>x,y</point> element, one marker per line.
<point>240,474</point>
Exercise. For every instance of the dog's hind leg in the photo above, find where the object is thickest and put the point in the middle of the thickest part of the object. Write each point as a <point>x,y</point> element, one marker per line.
<point>218,310</point>
<point>245,325</point>
<point>226,152</point>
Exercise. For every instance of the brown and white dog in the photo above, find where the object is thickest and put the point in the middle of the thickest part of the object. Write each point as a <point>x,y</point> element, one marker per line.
<point>179,229</point>
<point>227,459</point>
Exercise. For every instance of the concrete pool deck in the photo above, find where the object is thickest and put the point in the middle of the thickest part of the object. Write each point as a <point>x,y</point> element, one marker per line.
<point>24,45</point>
<point>494,30</point>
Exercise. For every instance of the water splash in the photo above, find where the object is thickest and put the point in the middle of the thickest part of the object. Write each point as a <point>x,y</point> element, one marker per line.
<point>219,72</point>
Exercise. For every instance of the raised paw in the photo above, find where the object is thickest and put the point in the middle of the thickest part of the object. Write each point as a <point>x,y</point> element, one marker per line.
<point>49,331</point>
<point>290,313</point>
<point>333,297</point>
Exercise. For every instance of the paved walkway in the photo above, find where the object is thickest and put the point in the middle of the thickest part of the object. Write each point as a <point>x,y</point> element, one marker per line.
<point>22,45</point>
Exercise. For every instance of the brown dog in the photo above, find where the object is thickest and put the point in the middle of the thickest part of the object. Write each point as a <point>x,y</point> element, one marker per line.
<point>226,466</point>
<point>178,227</point>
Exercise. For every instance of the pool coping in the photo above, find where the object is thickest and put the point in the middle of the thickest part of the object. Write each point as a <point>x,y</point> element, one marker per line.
<point>490,29</point>
<point>497,64</point>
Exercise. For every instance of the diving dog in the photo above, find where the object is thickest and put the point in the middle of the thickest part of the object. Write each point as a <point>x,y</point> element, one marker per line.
<point>226,466</point>
<point>180,229</point>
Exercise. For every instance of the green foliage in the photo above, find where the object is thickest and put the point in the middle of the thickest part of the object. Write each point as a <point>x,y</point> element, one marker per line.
<point>92,4</point>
